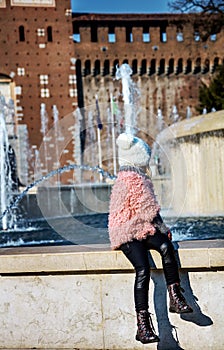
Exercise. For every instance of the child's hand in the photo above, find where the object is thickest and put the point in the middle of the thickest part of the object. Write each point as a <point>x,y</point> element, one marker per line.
<point>169,235</point>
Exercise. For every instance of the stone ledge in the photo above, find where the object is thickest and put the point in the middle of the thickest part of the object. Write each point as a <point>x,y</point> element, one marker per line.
<point>200,124</point>
<point>99,258</point>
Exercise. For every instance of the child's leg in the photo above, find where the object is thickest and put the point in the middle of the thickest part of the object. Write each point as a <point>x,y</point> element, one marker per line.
<point>137,254</point>
<point>163,245</point>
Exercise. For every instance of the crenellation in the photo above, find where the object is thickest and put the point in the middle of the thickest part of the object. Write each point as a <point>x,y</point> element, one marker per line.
<point>120,33</point>
<point>85,34</point>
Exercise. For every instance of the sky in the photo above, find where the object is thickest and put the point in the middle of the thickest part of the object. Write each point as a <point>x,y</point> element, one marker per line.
<point>120,6</point>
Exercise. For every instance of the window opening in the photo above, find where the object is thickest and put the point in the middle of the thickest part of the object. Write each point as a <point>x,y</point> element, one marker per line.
<point>43,79</point>
<point>171,66</point>
<point>21,33</point>
<point>115,65</point>
<point>94,37</point>
<point>111,35</point>
<point>146,35</point>
<point>40,32</point>
<point>215,65</point>
<point>20,71</point>
<point>213,37</point>
<point>197,68</point>
<point>188,66</point>
<point>87,69</point>
<point>106,67</point>
<point>72,79</point>
<point>143,67</point>
<point>196,36</point>
<point>206,66</point>
<point>179,66</point>
<point>135,66</point>
<point>163,36</point>
<point>152,67</point>
<point>97,68</point>
<point>49,34</point>
<point>45,93</point>
<point>129,36</point>
<point>76,35</point>
<point>161,67</point>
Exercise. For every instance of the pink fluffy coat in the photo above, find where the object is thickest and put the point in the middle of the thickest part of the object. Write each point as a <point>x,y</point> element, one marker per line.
<point>133,206</point>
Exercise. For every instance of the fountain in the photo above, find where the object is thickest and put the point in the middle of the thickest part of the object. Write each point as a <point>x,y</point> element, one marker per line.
<point>195,151</point>
<point>77,213</point>
<point>130,97</point>
<point>3,168</point>
<point>8,177</point>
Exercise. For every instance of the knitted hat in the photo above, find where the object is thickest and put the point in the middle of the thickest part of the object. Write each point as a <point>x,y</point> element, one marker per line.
<point>132,151</point>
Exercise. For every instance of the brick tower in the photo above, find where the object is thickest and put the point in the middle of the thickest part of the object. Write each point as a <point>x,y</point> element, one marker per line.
<point>37,70</point>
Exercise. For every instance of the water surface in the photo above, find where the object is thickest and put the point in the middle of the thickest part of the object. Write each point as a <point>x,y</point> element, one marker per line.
<point>92,229</point>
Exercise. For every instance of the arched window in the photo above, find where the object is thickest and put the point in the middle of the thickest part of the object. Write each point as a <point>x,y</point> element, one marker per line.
<point>188,68</point>
<point>87,69</point>
<point>171,66</point>
<point>49,34</point>
<point>97,68</point>
<point>125,61</point>
<point>152,67</point>
<point>179,66</point>
<point>21,33</point>
<point>116,63</point>
<point>161,67</point>
<point>206,67</point>
<point>135,66</point>
<point>215,65</point>
<point>106,67</point>
<point>143,67</point>
<point>197,68</point>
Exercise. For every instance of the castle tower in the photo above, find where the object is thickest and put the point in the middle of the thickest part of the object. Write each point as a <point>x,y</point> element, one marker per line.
<point>37,70</point>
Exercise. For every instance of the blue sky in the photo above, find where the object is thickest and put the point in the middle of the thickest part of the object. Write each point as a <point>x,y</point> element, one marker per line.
<point>120,6</point>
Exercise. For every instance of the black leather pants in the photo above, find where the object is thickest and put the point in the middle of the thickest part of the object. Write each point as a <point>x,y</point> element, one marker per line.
<point>137,253</point>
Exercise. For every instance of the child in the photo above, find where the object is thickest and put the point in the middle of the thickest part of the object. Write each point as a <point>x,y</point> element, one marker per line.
<point>135,226</point>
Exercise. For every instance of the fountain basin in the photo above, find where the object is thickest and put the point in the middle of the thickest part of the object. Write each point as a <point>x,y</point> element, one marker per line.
<point>195,150</point>
<point>76,297</point>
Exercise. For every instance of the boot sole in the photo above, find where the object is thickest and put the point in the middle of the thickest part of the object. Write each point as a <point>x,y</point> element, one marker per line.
<point>180,312</point>
<point>156,340</point>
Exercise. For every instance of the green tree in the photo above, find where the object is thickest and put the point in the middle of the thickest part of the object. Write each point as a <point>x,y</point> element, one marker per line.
<point>212,96</point>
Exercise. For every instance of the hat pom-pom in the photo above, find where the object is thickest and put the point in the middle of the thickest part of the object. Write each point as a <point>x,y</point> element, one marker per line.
<point>125,141</point>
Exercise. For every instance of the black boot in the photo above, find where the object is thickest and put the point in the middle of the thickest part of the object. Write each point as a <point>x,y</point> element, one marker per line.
<point>145,333</point>
<point>178,303</point>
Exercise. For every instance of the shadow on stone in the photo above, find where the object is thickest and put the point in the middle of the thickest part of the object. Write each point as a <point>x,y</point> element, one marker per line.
<point>197,316</point>
<point>168,332</point>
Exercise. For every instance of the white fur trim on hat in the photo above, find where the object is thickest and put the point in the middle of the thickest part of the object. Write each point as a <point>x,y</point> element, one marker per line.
<point>132,151</point>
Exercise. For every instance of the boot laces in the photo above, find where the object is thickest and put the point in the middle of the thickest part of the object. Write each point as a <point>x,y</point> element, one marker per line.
<point>180,296</point>
<point>145,322</point>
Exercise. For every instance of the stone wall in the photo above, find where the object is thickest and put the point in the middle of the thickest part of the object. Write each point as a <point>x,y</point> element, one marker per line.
<point>82,297</point>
